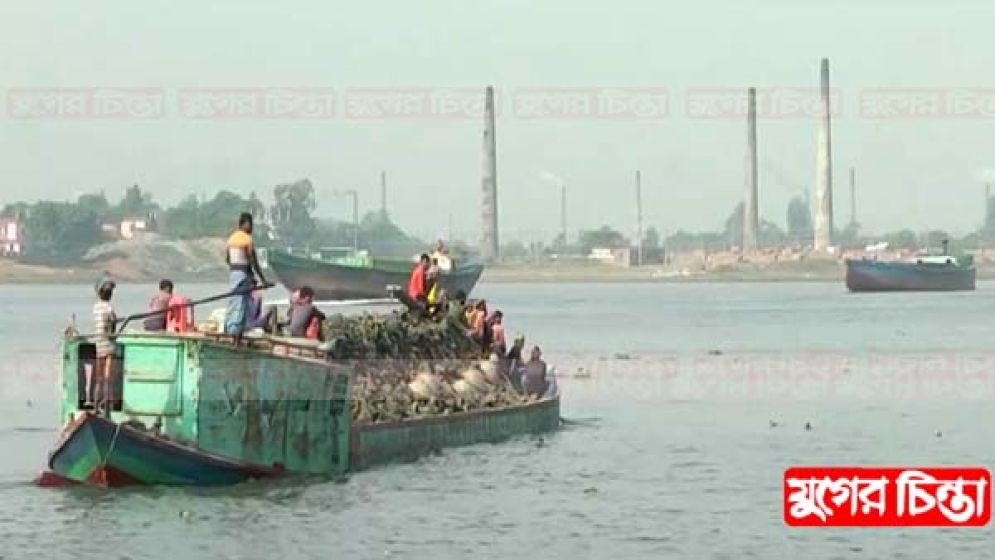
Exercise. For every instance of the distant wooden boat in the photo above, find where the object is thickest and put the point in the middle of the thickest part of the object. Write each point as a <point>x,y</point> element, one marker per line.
<point>349,277</point>
<point>930,273</point>
<point>198,410</point>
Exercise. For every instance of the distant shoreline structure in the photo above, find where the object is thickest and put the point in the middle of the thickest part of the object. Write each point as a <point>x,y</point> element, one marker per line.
<point>722,267</point>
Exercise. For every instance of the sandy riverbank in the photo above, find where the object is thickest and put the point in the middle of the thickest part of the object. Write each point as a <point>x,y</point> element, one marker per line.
<point>152,258</point>
<point>552,272</point>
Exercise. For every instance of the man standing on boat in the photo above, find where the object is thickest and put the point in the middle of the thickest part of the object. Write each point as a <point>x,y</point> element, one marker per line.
<point>103,328</point>
<point>416,284</point>
<point>244,274</point>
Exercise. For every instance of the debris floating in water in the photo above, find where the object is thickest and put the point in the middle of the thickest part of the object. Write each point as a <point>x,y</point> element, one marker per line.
<point>808,426</point>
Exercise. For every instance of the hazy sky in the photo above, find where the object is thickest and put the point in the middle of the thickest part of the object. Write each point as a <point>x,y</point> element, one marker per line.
<point>919,172</point>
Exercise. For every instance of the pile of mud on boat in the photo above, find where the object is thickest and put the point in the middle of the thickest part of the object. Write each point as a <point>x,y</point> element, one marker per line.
<point>201,409</point>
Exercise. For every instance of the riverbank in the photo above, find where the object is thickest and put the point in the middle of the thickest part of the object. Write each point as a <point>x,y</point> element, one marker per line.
<point>150,258</point>
<point>146,258</point>
<point>128,270</point>
<point>814,271</point>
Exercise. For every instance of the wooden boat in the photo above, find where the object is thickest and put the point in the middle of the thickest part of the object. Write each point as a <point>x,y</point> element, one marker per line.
<point>352,277</point>
<point>929,273</point>
<point>199,410</point>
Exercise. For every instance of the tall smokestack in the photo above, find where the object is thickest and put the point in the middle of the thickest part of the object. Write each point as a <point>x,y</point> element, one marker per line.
<point>639,218</point>
<point>824,170</point>
<point>988,199</point>
<point>563,212</point>
<point>751,218</point>
<point>489,219</point>
<point>383,192</point>
<point>853,196</point>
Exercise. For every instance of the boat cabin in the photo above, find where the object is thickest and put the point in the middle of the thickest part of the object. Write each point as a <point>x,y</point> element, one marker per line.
<point>266,401</point>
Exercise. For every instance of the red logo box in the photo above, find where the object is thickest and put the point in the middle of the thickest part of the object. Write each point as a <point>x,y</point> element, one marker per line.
<point>887,496</point>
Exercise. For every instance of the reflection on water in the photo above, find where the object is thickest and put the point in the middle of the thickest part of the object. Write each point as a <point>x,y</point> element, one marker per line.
<point>697,400</point>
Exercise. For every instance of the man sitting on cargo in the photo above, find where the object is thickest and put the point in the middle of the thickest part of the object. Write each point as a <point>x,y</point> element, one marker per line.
<point>260,318</point>
<point>305,319</point>
<point>534,381</point>
<point>496,323</point>
<point>478,324</point>
<point>455,310</point>
<point>158,305</point>
<point>513,362</point>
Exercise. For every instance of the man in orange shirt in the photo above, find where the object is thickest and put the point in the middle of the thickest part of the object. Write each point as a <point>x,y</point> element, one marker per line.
<point>244,274</point>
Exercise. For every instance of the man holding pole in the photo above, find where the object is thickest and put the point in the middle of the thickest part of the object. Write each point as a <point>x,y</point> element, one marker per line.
<point>244,274</point>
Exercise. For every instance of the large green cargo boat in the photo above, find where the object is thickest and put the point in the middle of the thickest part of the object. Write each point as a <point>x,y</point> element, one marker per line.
<point>356,277</point>
<point>199,409</point>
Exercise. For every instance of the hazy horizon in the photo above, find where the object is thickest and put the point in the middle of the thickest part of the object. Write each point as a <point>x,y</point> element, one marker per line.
<point>921,172</point>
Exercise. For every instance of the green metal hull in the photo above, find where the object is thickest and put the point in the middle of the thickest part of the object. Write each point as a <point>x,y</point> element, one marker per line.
<point>195,410</point>
<point>386,442</point>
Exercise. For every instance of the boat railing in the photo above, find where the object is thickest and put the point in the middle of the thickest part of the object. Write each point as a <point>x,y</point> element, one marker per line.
<point>276,345</point>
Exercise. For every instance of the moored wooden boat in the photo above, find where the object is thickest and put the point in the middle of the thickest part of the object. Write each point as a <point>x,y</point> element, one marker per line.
<point>198,410</point>
<point>937,273</point>
<point>368,279</point>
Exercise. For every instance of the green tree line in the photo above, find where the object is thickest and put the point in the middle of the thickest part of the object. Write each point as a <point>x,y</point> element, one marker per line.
<point>63,231</point>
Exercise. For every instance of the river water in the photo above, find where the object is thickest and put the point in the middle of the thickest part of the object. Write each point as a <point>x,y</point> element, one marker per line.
<point>696,398</point>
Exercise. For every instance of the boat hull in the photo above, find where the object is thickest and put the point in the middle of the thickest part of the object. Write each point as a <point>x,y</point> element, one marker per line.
<point>195,411</point>
<point>96,451</point>
<point>338,282</point>
<point>386,442</point>
<point>883,276</point>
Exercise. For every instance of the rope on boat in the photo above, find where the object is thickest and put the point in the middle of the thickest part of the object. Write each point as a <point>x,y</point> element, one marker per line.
<point>110,448</point>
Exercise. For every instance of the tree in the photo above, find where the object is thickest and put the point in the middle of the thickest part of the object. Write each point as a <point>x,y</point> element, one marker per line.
<point>559,244</point>
<point>60,231</point>
<point>604,237</point>
<point>850,235</point>
<point>514,249</point>
<point>988,229</point>
<point>687,241</point>
<point>651,239</point>
<point>935,238</point>
<point>734,226</point>
<point>376,227</point>
<point>214,218</point>
<point>799,220</point>
<point>96,202</point>
<point>15,210</point>
<point>771,235</point>
<point>904,239</point>
<point>290,214</point>
<point>135,203</point>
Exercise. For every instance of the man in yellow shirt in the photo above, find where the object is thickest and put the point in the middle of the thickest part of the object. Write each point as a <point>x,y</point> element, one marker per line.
<point>244,274</point>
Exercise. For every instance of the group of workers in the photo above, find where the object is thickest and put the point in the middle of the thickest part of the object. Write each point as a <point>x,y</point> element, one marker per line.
<point>171,312</point>
<point>486,329</point>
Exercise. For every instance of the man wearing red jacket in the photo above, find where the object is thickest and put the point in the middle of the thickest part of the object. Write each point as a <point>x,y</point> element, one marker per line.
<point>416,284</point>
